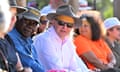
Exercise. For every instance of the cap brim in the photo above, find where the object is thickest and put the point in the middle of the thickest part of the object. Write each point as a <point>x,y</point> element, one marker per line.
<point>20,9</point>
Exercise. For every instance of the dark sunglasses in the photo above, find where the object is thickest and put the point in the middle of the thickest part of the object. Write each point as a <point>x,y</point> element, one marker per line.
<point>43,21</point>
<point>61,23</point>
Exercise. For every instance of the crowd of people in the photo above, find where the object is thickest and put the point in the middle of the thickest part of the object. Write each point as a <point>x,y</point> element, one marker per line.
<point>46,40</point>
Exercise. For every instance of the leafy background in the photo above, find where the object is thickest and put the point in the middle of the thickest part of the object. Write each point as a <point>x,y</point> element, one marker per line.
<point>104,6</point>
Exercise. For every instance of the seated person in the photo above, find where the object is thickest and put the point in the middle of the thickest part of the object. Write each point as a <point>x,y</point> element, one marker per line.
<point>55,46</point>
<point>11,61</point>
<point>112,26</point>
<point>21,36</point>
<point>91,47</point>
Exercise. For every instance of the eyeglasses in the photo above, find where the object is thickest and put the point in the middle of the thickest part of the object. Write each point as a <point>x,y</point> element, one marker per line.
<point>43,21</point>
<point>61,23</point>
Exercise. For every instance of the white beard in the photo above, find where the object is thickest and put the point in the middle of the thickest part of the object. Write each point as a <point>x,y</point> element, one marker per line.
<point>6,16</point>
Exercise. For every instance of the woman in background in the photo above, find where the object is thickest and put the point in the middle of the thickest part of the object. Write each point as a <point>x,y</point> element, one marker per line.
<point>91,47</point>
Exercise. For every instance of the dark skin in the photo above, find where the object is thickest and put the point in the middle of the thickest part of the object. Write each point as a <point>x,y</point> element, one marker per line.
<point>26,27</point>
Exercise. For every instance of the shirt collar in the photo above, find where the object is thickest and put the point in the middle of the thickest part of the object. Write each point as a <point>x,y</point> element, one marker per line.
<point>18,34</point>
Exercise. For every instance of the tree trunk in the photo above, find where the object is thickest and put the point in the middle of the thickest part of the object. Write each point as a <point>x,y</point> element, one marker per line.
<point>21,2</point>
<point>74,4</point>
<point>116,5</point>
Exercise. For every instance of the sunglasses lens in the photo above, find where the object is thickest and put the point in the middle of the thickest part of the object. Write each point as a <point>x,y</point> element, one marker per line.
<point>70,25</point>
<point>61,23</point>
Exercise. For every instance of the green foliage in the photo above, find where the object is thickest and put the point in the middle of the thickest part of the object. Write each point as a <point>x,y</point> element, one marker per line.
<point>104,6</point>
<point>108,12</point>
<point>42,3</point>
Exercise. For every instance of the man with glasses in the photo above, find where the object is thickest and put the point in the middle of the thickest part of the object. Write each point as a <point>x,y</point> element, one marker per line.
<point>21,36</point>
<point>112,26</point>
<point>55,46</point>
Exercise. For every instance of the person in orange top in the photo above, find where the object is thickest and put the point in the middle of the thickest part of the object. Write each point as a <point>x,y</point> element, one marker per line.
<point>91,47</point>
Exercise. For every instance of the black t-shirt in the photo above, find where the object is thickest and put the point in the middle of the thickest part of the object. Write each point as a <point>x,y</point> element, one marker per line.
<point>8,48</point>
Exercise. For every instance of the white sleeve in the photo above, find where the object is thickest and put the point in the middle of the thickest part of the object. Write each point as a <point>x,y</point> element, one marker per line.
<point>77,65</point>
<point>47,53</point>
<point>81,64</point>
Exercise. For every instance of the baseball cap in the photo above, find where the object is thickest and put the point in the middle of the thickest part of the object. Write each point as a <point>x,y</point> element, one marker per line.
<point>111,22</point>
<point>32,14</point>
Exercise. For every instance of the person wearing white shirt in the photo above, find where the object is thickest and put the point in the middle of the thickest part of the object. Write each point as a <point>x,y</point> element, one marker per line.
<point>55,47</point>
